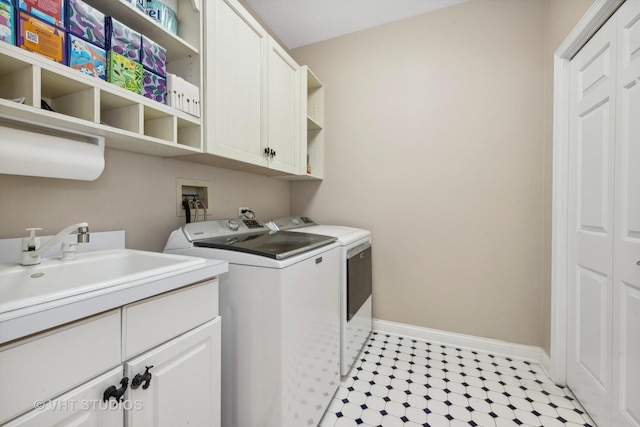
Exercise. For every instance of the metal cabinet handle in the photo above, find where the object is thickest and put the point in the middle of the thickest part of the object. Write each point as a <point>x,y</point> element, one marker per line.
<point>142,378</point>
<point>638,263</point>
<point>114,392</point>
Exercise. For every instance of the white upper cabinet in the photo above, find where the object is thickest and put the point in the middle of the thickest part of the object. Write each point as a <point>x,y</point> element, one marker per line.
<point>284,110</point>
<point>235,83</point>
<point>252,95</point>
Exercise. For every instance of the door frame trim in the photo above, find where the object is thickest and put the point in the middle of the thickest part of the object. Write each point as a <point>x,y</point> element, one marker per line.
<point>596,16</point>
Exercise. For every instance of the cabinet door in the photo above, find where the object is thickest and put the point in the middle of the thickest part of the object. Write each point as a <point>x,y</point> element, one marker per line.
<point>235,83</point>
<point>185,381</point>
<point>82,406</point>
<point>284,110</point>
<point>53,362</point>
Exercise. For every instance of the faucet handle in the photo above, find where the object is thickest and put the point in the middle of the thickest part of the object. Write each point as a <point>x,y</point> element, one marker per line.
<point>31,242</point>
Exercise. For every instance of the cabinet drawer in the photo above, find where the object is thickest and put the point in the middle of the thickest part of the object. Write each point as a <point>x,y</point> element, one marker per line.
<point>156,320</point>
<point>57,361</point>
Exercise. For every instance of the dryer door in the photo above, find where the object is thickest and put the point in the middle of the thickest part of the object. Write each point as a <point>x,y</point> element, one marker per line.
<point>359,278</point>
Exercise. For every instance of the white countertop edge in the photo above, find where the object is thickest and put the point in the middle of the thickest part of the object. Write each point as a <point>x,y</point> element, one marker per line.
<point>20,323</point>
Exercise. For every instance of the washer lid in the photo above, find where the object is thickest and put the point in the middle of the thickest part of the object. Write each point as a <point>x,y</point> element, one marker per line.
<point>277,245</point>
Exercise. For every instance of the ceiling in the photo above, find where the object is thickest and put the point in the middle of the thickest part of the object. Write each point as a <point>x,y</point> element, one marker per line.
<point>301,22</point>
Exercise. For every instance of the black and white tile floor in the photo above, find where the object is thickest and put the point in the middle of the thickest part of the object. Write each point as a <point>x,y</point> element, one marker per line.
<point>410,383</point>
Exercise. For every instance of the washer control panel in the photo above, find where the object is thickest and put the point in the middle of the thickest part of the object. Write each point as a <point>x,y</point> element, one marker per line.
<point>222,227</point>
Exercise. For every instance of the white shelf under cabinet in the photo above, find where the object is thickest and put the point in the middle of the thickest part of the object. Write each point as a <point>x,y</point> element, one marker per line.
<point>82,102</point>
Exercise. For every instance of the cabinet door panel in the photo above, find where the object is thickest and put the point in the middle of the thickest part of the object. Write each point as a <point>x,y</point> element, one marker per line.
<point>237,46</point>
<point>82,406</point>
<point>284,110</point>
<point>185,382</point>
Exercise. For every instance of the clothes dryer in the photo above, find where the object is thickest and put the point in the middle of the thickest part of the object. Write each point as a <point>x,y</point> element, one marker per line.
<point>356,281</point>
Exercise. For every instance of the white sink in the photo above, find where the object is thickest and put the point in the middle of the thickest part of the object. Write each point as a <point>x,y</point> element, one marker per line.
<point>54,279</point>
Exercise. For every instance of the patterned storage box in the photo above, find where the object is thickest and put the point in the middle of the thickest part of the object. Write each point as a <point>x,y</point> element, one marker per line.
<point>7,23</point>
<point>51,11</point>
<point>87,58</point>
<point>123,40</point>
<point>154,86</point>
<point>86,22</point>
<point>154,56</point>
<point>39,37</point>
<point>124,72</point>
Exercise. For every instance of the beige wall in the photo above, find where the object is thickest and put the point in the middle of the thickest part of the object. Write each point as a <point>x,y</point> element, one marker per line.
<point>136,193</point>
<point>436,141</point>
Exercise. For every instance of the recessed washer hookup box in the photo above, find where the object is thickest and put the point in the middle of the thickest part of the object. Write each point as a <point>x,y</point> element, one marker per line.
<point>50,11</point>
<point>42,38</point>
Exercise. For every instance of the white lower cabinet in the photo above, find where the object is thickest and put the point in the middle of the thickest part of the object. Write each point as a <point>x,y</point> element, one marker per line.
<point>184,381</point>
<point>61,377</point>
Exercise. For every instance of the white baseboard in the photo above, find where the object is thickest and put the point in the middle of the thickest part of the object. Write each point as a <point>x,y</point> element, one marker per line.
<point>468,342</point>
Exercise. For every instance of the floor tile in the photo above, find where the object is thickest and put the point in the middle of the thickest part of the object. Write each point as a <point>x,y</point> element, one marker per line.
<point>403,382</point>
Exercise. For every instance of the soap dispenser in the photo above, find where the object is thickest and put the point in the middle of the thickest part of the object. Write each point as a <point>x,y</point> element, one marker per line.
<point>30,244</point>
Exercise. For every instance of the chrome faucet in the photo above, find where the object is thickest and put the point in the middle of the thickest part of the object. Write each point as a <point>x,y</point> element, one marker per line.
<point>31,253</point>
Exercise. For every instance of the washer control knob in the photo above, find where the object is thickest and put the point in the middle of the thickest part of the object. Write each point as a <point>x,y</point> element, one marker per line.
<point>296,221</point>
<point>233,225</point>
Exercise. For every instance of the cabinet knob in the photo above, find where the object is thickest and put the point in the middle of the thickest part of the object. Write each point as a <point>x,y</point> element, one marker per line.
<point>114,392</point>
<point>142,378</point>
<point>638,263</point>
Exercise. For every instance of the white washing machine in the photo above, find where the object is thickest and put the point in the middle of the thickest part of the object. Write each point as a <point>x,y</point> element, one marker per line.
<point>279,305</point>
<point>355,282</point>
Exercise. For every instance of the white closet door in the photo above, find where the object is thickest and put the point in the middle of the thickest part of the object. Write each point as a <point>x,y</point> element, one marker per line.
<point>591,190</point>
<point>626,305</point>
